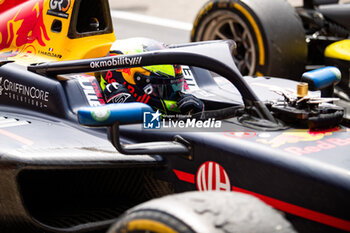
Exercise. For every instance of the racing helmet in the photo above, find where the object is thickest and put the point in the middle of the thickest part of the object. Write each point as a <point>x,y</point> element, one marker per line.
<point>162,81</point>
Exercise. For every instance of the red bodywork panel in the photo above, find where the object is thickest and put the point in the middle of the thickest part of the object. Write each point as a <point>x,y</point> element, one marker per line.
<point>28,15</point>
<point>8,4</point>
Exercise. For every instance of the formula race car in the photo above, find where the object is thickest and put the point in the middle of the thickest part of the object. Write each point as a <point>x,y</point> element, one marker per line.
<point>275,39</point>
<point>69,162</point>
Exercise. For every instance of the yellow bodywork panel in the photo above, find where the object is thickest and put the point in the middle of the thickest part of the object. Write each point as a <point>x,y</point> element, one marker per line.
<point>339,50</point>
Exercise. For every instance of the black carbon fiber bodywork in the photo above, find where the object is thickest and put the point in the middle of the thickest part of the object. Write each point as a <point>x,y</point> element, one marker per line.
<point>56,175</point>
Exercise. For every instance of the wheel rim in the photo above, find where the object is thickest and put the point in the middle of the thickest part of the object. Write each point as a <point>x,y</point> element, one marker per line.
<point>230,26</point>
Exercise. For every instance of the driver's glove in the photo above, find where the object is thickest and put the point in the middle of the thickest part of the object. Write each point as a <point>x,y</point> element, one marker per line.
<point>189,104</point>
<point>117,93</point>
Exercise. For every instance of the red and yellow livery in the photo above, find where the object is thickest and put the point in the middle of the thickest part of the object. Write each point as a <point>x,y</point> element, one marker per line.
<point>42,30</point>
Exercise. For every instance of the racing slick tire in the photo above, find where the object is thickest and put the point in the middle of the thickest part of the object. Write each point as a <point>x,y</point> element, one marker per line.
<point>202,212</point>
<point>269,35</point>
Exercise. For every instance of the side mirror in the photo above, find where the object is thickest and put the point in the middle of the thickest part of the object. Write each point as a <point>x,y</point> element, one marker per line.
<point>107,115</point>
<point>113,115</point>
<point>323,79</point>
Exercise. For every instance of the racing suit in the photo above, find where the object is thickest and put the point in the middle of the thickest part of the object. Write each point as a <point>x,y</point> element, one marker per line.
<point>123,93</point>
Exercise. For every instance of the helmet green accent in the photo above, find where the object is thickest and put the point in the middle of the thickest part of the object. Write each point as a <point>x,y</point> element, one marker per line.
<point>162,70</point>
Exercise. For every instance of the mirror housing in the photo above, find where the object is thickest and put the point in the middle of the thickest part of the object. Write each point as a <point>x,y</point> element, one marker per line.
<point>107,115</point>
<point>323,79</point>
<point>112,115</point>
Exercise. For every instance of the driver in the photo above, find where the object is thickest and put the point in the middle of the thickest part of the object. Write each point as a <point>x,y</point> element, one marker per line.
<point>159,86</point>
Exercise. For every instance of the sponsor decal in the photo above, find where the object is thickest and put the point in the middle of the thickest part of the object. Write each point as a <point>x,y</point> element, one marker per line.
<point>139,98</point>
<point>26,94</point>
<point>119,98</point>
<point>115,61</point>
<point>91,89</point>
<point>178,69</point>
<point>28,52</point>
<point>9,54</point>
<point>190,83</point>
<point>50,53</point>
<point>240,134</point>
<point>321,145</point>
<point>319,141</point>
<point>295,136</point>
<point>101,114</point>
<point>264,135</point>
<point>59,8</point>
<point>212,176</point>
<point>109,77</point>
<point>23,26</point>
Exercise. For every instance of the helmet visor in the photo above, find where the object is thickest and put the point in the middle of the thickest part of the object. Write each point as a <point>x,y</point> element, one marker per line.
<point>161,87</point>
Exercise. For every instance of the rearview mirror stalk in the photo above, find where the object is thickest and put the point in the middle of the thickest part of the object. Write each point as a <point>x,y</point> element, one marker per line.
<point>178,146</point>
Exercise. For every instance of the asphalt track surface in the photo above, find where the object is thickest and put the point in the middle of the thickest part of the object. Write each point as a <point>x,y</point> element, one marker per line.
<point>180,10</point>
<point>163,20</point>
<point>169,21</point>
